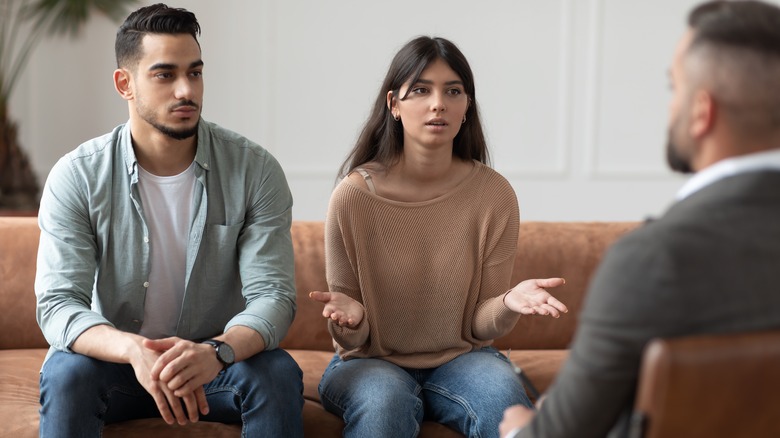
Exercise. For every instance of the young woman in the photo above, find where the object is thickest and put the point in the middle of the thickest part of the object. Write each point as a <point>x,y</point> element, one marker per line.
<point>420,243</point>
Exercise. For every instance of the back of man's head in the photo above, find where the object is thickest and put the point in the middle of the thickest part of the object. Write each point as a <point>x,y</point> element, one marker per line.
<point>155,19</point>
<point>735,55</point>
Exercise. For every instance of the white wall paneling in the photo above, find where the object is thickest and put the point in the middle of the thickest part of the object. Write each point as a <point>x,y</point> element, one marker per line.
<point>573,93</point>
<point>628,86</point>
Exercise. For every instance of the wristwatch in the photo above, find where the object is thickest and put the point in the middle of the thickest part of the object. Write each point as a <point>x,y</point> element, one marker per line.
<point>225,354</point>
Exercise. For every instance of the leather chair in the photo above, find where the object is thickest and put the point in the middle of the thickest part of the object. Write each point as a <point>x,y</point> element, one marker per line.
<point>725,385</point>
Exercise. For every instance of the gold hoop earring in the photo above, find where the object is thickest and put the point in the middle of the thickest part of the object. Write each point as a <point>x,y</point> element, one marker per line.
<point>396,117</point>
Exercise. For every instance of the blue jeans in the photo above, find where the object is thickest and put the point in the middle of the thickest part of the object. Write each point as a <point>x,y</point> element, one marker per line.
<point>80,394</point>
<point>379,399</point>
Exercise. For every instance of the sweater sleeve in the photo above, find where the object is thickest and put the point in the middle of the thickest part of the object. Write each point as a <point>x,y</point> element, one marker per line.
<point>341,267</point>
<point>492,318</point>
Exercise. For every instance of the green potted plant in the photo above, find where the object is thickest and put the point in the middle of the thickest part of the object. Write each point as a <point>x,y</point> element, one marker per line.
<point>23,24</point>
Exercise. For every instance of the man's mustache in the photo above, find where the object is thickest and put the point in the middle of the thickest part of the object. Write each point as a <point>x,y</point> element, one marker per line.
<point>184,103</point>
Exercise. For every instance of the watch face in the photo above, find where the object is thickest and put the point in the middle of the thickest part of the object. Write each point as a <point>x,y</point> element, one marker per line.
<point>226,354</point>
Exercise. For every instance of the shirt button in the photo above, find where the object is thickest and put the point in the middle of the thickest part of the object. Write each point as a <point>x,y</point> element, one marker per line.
<point>205,165</point>
<point>146,284</point>
<point>146,239</point>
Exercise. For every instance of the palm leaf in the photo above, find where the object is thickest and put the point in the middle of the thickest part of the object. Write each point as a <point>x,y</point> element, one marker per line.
<point>66,17</point>
<point>23,26</point>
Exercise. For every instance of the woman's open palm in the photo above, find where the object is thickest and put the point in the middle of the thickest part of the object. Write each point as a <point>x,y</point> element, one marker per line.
<point>342,309</point>
<point>530,297</point>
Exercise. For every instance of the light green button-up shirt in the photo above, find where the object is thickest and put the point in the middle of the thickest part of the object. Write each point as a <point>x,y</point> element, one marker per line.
<point>94,261</point>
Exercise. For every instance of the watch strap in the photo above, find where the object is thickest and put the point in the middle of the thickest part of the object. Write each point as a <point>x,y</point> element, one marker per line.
<point>217,345</point>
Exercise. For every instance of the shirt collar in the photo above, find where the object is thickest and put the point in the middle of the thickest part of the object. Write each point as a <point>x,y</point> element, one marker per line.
<point>126,142</point>
<point>202,151</point>
<point>767,160</point>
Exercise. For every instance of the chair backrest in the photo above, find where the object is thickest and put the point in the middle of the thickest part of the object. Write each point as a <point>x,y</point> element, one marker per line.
<point>724,385</point>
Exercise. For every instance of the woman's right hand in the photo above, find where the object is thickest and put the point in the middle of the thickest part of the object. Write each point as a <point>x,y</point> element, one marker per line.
<point>342,309</point>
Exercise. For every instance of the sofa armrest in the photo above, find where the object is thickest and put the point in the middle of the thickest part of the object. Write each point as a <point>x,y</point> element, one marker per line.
<point>18,251</point>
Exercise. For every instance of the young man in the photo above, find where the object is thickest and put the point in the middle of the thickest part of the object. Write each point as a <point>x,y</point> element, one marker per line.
<point>709,265</point>
<point>165,270</point>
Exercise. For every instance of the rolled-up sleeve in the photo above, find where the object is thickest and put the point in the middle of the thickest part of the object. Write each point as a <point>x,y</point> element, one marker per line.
<point>66,263</point>
<point>266,260</point>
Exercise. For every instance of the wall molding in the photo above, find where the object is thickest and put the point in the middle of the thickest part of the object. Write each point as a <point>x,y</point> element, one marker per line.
<point>593,112</point>
<point>561,167</point>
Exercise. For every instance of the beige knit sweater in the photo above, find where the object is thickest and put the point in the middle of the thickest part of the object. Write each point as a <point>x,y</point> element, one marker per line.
<point>431,275</point>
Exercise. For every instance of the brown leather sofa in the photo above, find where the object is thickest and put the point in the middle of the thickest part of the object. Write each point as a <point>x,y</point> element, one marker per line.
<point>568,249</point>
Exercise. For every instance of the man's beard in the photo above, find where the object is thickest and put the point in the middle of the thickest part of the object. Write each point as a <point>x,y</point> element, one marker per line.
<point>180,134</point>
<point>676,160</point>
<point>176,134</point>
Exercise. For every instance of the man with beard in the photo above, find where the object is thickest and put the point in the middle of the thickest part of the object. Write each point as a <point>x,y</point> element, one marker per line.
<point>165,271</point>
<point>709,265</point>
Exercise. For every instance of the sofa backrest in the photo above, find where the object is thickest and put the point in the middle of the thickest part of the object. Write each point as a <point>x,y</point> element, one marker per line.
<point>545,249</point>
<point>571,250</point>
<point>18,250</point>
<point>309,330</point>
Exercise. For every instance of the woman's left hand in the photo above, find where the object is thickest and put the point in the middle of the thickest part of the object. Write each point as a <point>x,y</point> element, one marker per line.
<point>530,297</point>
<point>339,307</point>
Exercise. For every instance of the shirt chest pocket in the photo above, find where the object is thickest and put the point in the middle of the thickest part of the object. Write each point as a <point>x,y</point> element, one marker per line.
<point>218,255</point>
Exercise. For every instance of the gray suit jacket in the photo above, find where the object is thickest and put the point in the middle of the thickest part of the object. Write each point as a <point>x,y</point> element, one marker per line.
<point>709,265</point>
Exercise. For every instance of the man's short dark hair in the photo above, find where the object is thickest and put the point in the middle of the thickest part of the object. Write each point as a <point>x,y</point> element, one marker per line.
<point>752,25</point>
<point>159,19</point>
<point>735,52</point>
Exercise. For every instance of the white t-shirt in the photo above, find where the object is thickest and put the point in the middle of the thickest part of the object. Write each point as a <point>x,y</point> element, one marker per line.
<point>167,207</point>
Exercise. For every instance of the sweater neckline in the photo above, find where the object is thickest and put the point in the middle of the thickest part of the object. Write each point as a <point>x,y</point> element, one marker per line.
<point>458,188</point>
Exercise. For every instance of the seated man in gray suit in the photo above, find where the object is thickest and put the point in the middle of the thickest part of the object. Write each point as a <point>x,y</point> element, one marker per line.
<point>709,265</point>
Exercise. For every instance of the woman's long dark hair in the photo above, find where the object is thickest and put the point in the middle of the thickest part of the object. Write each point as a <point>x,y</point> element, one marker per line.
<point>382,138</point>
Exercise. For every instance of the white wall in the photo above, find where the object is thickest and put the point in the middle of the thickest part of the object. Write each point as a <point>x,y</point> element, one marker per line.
<point>573,93</point>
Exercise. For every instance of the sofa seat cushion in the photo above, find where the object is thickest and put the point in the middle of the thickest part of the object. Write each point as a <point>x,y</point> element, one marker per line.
<point>540,366</point>
<point>19,382</point>
<point>156,427</point>
<point>313,364</point>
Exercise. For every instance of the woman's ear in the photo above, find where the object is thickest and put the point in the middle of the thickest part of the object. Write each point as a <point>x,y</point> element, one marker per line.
<point>122,81</point>
<point>392,106</point>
